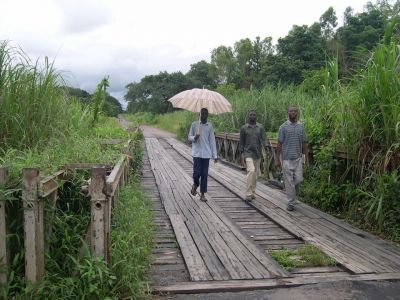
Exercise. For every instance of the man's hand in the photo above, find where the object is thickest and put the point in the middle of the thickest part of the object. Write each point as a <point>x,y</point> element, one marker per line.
<point>277,163</point>
<point>216,160</point>
<point>196,137</point>
<point>242,160</point>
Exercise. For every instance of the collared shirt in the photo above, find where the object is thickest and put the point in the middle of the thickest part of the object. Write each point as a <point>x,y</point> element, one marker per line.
<point>292,136</point>
<point>252,139</point>
<point>205,146</point>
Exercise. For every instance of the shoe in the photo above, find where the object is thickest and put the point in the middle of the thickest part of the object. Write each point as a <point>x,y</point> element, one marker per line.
<point>253,197</point>
<point>203,198</point>
<point>290,208</point>
<point>193,191</point>
<point>249,198</point>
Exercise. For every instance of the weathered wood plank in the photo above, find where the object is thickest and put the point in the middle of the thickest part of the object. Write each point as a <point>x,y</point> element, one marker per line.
<point>33,225</point>
<point>244,285</point>
<point>204,215</point>
<point>196,266</point>
<point>87,166</point>
<point>99,213</point>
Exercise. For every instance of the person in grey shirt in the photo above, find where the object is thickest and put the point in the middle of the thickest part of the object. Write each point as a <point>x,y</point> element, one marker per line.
<point>202,136</point>
<point>292,144</point>
<point>252,140</point>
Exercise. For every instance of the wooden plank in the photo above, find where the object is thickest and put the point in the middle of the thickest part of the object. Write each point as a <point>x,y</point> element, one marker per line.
<point>33,225</point>
<point>247,285</point>
<point>99,212</point>
<point>194,262</point>
<point>4,255</point>
<point>303,212</point>
<point>87,166</point>
<point>115,176</point>
<point>49,184</point>
<point>209,218</point>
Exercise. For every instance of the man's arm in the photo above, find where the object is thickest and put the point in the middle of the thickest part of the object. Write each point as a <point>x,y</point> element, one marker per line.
<point>281,138</point>
<point>213,144</point>
<point>191,136</point>
<point>305,152</point>
<point>304,147</point>
<point>242,141</point>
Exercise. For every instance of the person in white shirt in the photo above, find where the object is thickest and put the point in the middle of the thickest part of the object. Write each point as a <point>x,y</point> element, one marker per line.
<point>202,136</point>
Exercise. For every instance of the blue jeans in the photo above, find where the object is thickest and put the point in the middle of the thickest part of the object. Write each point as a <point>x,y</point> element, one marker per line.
<point>200,170</point>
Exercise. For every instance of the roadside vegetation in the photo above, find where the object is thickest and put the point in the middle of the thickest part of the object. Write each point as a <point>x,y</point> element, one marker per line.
<point>43,126</point>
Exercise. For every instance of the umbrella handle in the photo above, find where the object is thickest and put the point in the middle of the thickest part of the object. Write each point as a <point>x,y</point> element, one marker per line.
<point>198,127</point>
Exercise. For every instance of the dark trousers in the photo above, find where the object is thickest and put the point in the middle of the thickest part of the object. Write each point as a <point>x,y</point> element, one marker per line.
<point>200,172</point>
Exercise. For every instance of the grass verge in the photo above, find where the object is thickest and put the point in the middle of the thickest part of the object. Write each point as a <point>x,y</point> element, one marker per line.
<point>305,256</point>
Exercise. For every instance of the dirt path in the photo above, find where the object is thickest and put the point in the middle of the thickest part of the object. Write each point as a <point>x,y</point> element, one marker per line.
<point>149,131</point>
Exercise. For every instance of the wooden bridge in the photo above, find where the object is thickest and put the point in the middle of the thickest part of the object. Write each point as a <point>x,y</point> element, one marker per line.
<point>223,244</point>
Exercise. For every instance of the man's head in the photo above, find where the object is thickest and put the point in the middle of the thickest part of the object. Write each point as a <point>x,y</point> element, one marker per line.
<point>203,115</point>
<point>252,116</point>
<point>293,111</point>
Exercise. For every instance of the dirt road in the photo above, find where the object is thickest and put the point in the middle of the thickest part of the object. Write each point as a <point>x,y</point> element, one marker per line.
<point>149,131</point>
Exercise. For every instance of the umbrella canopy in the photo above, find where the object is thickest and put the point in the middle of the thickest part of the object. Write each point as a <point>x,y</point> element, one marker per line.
<point>196,99</point>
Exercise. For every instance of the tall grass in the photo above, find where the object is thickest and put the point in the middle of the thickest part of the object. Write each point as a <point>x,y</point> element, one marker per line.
<point>368,125</point>
<point>34,106</point>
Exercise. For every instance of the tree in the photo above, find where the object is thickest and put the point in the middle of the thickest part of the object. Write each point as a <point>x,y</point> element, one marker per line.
<point>153,91</point>
<point>328,22</point>
<point>223,60</point>
<point>360,34</point>
<point>112,107</point>
<point>304,48</point>
<point>202,74</point>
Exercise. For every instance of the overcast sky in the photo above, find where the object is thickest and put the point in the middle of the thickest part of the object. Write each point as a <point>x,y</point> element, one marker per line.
<point>129,39</point>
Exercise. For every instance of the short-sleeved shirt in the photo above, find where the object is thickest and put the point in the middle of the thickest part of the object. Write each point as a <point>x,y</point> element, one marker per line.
<point>252,140</point>
<point>292,136</point>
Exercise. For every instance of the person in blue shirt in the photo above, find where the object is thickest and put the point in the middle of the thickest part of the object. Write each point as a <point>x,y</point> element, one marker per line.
<point>202,136</point>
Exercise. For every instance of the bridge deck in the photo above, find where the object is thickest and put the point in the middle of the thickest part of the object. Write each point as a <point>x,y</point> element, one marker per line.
<point>212,236</point>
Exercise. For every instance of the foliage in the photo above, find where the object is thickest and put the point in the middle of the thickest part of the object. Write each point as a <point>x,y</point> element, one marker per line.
<point>112,107</point>
<point>98,98</point>
<point>202,74</point>
<point>153,91</point>
<point>305,256</point>
<point>34,108</point>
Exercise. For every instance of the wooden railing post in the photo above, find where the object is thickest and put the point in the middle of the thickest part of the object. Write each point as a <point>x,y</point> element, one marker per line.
<point>33,225</point>
<point>3,232</point>
<point>99,213</point>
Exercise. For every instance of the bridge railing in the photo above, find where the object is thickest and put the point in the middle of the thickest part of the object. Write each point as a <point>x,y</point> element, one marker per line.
<point>102,189</point>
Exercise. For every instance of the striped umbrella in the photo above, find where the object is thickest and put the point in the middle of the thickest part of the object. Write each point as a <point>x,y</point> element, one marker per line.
<point>196,99</point>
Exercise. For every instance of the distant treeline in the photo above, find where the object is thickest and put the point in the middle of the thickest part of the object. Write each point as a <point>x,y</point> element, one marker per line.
<point>298,58</point>
<point>112,107</point>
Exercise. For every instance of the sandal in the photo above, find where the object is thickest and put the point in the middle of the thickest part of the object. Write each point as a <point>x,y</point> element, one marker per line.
<point>193,191</point>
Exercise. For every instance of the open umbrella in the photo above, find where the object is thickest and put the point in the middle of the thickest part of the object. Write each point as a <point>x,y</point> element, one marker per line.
<point>196,99</point>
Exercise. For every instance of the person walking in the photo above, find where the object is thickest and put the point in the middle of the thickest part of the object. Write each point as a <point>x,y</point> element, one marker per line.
<point>204,147</point>
<point>252,140</point>
<point>292,144</point>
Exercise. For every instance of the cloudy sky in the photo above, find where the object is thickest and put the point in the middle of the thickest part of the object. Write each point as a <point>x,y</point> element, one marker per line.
<point>129,39</point>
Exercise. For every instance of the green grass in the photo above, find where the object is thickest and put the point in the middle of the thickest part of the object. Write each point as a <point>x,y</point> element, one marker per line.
<point>131,242</point>
<point>305,256</point>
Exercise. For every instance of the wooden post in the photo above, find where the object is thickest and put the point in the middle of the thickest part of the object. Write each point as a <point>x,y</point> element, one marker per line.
<point>33,225</point>
<point>99,213</point>
<point>3,232</point>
